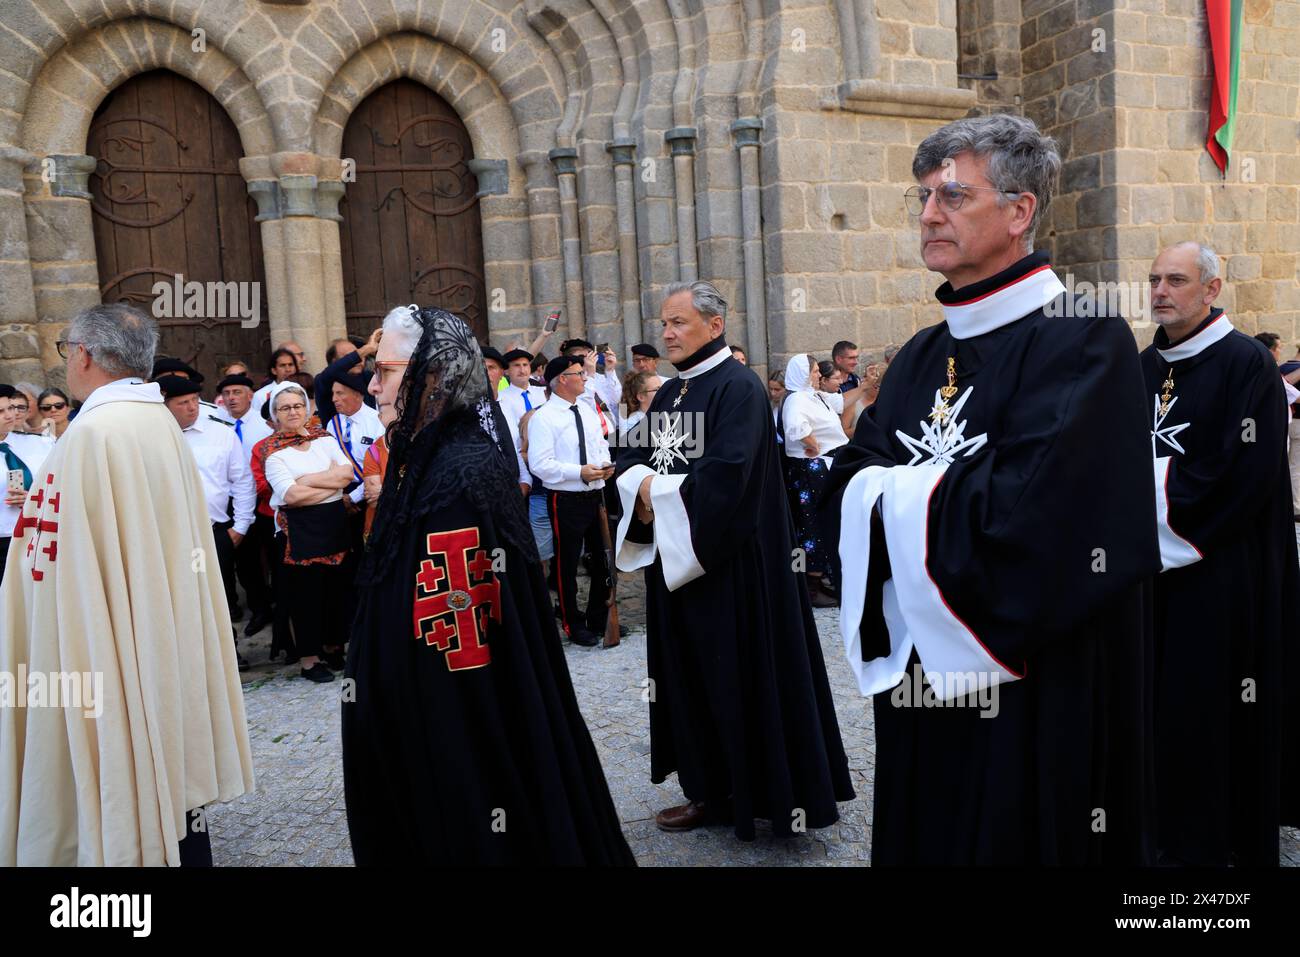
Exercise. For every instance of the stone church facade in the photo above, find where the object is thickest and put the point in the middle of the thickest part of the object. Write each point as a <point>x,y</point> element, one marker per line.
<point>507,158</point>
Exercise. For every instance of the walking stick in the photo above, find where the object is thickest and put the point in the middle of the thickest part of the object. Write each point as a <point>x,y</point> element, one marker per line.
<point>611,619</point>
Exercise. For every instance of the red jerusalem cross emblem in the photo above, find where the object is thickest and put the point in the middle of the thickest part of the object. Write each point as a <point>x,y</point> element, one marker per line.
<point>42,525</point>
<point>455,594</point>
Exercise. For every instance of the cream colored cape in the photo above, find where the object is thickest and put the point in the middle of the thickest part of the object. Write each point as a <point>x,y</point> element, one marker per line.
<point>120,577</point>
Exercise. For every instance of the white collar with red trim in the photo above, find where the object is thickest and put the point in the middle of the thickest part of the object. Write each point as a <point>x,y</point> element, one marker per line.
<point>987,309</point>
<point>1218,328</point>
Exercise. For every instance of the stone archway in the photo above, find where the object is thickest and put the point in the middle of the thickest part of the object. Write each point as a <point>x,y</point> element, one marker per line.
<point>411,229</point>
<point>167,199</point>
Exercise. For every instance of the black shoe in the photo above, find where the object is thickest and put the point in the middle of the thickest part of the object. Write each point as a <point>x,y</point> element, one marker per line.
<point>585,637</point>
<point>255,624</point>
<point>317,673</point>
<point>334,659</point>
<point>243,662</point>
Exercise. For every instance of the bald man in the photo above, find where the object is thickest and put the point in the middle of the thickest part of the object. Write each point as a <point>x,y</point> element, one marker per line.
<point>1225,600</point>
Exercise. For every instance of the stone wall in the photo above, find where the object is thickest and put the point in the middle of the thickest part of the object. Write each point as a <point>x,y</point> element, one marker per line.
<point>625,144</point>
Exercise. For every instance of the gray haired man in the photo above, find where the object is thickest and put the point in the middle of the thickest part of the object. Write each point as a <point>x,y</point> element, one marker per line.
<point>997,535</point>
<point>740,706</point>
<point>113,574</point>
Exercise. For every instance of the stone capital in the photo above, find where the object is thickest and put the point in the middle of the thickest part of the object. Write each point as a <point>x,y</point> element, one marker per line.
<point>493,176</point>
<point>747,130</point>
<point>70,175</point>
<point>681,140</point>
<point>565,159</point>
<point>623,151</point>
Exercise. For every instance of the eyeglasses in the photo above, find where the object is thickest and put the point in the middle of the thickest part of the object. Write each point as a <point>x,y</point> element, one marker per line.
<point>293,407</point>
<point>19,408</point>
<point>53,407</point>
<point>951,196</point>
<point>63,345</point>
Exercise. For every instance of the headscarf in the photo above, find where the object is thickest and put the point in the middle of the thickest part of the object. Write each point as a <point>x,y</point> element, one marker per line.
<point>444,442</point>
<point>798,375</point>
<point>278,440</point>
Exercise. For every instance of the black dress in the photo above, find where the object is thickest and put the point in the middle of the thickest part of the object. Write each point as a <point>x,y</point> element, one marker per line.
<point>740,706</point>
<point>463,744</point>
<point>1015,540</point>
<point>1226,719</point>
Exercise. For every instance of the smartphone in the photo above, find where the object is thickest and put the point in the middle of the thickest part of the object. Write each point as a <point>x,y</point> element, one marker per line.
<point>552,321</point>
<point>16,481</point>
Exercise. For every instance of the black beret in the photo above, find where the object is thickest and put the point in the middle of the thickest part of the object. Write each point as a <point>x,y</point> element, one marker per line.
<point>235,379</point>
<point>490,353</point>
<point>353,380</point>
<point>514,354</point>
<point>576,344</point>
<point>164,365</point>
<point>560,364</point>
<point>645,349</point>
<point>174,386</point>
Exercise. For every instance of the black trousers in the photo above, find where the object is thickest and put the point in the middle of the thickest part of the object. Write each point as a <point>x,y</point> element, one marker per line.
<point>226,561</point>
<point>314,597</point>
<point>252,558</point>
<point>575,522</point>
<point>4,555</point>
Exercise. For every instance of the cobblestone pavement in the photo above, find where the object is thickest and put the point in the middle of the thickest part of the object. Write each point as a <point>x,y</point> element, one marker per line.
<point>296,815</point>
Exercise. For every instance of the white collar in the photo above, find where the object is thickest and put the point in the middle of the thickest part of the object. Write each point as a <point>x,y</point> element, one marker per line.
<point>706,365</point>
<point>130,389</point>
<point>1198,343</point>
<point>1003,305</point>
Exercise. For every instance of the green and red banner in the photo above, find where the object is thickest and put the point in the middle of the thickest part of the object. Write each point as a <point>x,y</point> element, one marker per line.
<point>1224,18</point>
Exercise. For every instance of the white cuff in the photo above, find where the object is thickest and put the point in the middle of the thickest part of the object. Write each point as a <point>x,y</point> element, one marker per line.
<point>860,497</point>
<point>1175,551</point>
<point>673,532</point>
<point>671,527</point>
<point>629,556</point>
<point>956,662</point>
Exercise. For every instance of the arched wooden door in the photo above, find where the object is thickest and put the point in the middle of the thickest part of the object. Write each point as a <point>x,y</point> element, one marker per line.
<point>411,229</point>
<point>167,199</point>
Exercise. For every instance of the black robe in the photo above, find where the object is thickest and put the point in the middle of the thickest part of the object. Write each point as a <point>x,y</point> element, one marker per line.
<point>1226,603</point>
<point>1029,555</point>
<point>464,744</point>
<point>740,706</point>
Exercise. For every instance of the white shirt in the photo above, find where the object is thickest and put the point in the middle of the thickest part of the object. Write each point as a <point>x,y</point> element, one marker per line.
<point>251,428</point>
<point>32,449</point>
<point>524,477</point>
<point>805,414</point>
<point>355,434</point>
<point>513,404</point>
<point>224,470</point>
<point>610,390</point>
<point>260,397</point>
<point>289,464</point>
<point>553,445</point>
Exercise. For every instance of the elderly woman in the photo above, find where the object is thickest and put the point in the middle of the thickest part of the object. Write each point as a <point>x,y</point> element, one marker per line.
<point>307,472</point>
<point>53,407</point>
<point>812,434</point>
<point>464,714</point>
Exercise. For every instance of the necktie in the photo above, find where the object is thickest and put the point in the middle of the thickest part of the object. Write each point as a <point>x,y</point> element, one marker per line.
<point>239,430</point>
<point>12,461</point>
<point>347,433</point>
<point>528,406</point>
<point>582,437</point>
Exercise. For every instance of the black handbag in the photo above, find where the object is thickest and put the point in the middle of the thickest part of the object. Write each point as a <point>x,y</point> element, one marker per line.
<point>316,530</point>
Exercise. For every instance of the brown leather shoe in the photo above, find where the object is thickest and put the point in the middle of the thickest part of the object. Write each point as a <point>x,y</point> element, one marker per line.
<point>684,817</point>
